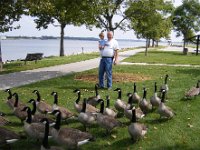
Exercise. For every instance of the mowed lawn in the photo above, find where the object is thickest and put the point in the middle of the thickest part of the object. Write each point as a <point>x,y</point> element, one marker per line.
<point>165,58</point>
<point>181,132</point>
<point>17,66</point>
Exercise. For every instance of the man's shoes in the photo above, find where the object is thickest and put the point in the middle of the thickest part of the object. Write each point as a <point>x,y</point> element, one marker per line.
<point>110,88</point>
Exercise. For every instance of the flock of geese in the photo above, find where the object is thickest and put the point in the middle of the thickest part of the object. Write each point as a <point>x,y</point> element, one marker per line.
<point>38,123</point>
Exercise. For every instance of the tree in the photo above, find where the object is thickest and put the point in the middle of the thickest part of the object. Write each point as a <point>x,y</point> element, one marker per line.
<point>110,14</point>
<point>186,19</point>
<point>150,19</point>
<point>10,12</point>
<point>63,12</point>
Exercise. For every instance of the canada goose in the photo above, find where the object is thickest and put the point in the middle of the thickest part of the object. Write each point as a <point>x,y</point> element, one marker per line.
<point>69,137</point>
<point>129,107</point>
<point>8,136</point>
<point>144,105</point>
<point>38,117</point>
<point>108,111</point>
<point>135,97</point>
<point>120,105</point>
<point>45,141</point>
<point>42,107</point>
<point>10,100</point>
<point>155,100</point>
<point>163,110</point>
<point>3,121</point>
<point>94,100</point>
<point>136,130</point>
<point>194,91</point>
<point>78,106</point>
<point>86,118</point>
<point>165,85</point>
<point>106,122</point>
<point>65,113</point>
<point>17,109</point>
<point>34,130</point>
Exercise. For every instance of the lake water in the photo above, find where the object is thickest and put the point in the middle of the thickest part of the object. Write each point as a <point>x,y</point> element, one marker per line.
<point>18,49</point>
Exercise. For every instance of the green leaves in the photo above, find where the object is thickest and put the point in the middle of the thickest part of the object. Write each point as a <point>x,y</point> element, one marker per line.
<point>186,18</point>
<point>10,12</point>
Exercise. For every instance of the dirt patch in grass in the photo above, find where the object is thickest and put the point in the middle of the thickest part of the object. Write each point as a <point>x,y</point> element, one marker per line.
<point>117,77</point>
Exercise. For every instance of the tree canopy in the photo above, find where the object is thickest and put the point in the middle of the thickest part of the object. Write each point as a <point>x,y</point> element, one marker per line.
<point>150,19</point>
<point>59,13</point>
<point>186,18</point>
<point>10,12</point>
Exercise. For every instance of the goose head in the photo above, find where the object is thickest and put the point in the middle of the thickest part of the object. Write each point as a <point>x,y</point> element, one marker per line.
<point>119,92</point>
<point>55,94</point>
<point>76,91</point>
<point>79,95</point>
<point>130,98</point>
<point>57,113</point>
<point>107,101</point>
<point>101,106</point>
<point>9,92</point>
<point>38,95</point>
<point>33,102</point>
<point>166,78</point>
<point>133,119</point>
<point>29,116</point>
<point>155,87</point>
<point>144,93</point>
<point>163,96</point>
<point>16,99</point>
<point>134,87</point>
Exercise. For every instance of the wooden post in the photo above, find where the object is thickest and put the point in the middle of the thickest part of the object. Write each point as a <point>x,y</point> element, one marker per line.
<point>1,62</point>
<point>198,38</point>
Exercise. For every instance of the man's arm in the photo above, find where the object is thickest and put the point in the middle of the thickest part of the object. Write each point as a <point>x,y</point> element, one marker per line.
<point>116,57</point>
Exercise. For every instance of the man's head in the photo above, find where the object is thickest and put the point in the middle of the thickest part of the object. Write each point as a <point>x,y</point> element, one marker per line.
<point>110,35</point>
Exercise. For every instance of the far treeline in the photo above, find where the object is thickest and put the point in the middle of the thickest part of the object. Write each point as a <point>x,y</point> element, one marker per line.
<point>149,19</point>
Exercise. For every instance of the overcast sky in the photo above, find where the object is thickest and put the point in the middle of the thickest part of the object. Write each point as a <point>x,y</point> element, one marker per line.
<point>28,29</point>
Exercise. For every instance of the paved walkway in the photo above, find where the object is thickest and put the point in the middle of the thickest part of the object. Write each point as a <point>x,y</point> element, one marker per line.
<point>30,76</point>
<point>151,64</point>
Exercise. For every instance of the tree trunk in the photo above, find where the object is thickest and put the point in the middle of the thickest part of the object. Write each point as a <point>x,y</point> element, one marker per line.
<point>156,43</point>
<point>147,44</point>
<point>153,43</point>
<point>62,52</point>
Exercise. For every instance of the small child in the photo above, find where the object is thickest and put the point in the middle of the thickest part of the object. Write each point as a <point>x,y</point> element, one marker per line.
<point>102,42</point>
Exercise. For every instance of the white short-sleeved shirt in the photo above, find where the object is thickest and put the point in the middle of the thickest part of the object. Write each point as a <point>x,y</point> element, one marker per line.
<point>109,49</point>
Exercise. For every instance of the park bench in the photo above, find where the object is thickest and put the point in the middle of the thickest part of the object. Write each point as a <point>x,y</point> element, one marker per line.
<point>32,57</point>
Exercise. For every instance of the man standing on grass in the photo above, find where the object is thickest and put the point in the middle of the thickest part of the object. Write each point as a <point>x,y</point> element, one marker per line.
<point>109,55</point>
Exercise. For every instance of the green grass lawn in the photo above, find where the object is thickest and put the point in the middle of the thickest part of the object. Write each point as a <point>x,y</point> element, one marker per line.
<point>162,135</point>
<point>17,66</point>
<point>165,58</point>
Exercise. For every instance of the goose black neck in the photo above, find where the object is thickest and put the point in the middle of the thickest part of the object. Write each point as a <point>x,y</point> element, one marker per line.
<point>84,106</point>
<point>197,85</point>
<point>58,121</point>
<point>133,119</point>
<point>119,94</point>
<point>16,100</point>
<point>107,103</point>
<point>10,94</point>
<point>45,141</point>
<point>96,90</point>
<point>29,116</point>
<point>102,107</point>
<point>130,100</point>
<point>134,88</point>
<point>56,99</point>
<point>34,108</point>
<point>155,88</point>
<point>163,97</point>
<point>166,79</point>
<point>79,97</point>
<point>145,94</point>
<point>38,96</point>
